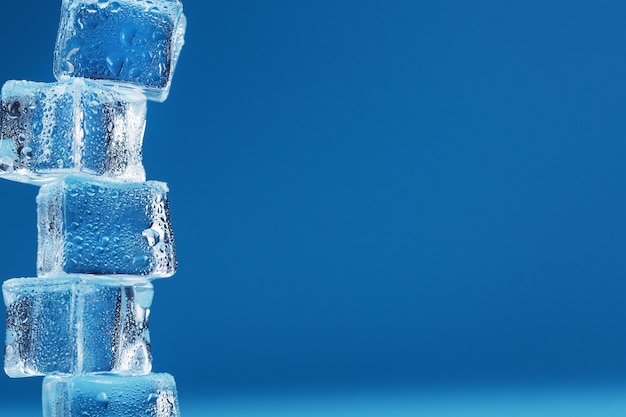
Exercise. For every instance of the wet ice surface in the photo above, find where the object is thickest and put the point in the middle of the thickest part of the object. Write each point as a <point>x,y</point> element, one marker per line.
<point>152,395</point>
<point>54,129</point>
<point>77,324</point>
<point>134,41</point>
<point>98,227</point>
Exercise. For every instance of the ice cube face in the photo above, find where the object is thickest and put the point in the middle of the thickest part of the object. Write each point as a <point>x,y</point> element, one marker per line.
<point>55,129</point>
<point>102,227</point>
<point>77,324</point>
<point>152,395</point>
<point>136,42</point>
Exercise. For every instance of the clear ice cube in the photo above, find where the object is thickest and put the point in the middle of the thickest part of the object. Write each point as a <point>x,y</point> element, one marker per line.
<point>77,324</point>
<point>137,42</point>
<point>102,227</point>
<point>50,130</point>
<point>152,395</point>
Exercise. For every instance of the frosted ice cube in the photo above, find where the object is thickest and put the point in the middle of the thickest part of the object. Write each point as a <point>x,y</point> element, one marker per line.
<point>126,41</point>
<point>54,129</point>
<point>152,395</point>
<point>77,324</point>
<point>102,227</point>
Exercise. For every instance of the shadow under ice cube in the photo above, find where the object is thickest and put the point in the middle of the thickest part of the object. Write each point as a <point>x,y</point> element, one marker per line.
<point>152,395</point>
<point>77,324</point>
<point>102,227</point>
<point>125,41</point>
<point>51,130</point>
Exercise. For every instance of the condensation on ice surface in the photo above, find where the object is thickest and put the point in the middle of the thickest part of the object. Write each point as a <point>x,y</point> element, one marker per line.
<point>51,130</point>
<point>136,42</point>
<point>77,324</point>
<point>152,395</point>
<point>100,227</point>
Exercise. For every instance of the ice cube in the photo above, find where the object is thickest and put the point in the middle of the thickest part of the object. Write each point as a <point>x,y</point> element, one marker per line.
<point>152,395</point>
<point>126,41</point>
<point>55,129</point>
<point>102,227</point>
<point>77,324</point>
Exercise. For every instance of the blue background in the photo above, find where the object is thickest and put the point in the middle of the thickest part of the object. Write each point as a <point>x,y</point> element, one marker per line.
<point>377,194</point>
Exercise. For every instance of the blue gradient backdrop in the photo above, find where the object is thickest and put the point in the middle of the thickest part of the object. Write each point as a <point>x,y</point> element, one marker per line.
<point>377,193</point>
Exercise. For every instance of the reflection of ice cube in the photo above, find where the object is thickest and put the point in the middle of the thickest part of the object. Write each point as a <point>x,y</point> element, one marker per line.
<point>77,324</point>
<point>152,395</point>
<point>51,130</point>
<point>103,227</point>
<point>136,42</point>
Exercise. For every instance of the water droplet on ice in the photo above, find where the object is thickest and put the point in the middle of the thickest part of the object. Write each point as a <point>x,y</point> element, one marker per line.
<point>115,62</point>
<point>140,260</point>
<point>128,34</point>
<point>102,4</point>
<point>37,127</point>
<point>27,152</point>
<point>114,7</point>
<point>14,110</point>
<point>152,236</point>
<point>102,399</point>
<point>68,67</point>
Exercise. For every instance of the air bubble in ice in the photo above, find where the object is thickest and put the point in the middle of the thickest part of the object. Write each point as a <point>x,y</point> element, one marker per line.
<point>114,7</point>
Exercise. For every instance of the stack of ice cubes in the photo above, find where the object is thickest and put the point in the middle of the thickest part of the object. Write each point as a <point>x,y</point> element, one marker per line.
<point>104,231</point>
